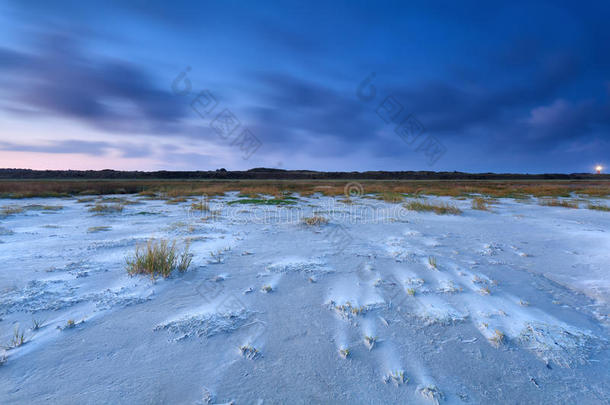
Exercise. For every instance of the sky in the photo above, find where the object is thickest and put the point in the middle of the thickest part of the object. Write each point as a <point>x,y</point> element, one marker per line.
<point>520,87</point>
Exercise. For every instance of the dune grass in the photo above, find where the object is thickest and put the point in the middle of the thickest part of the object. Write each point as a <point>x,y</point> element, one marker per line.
<point>315,220</point>
<point>158,258</point>
<point>391,197</point>
<point>554,202</point>
<point>10,210</point>
<point>94,229</point>
<point>202,206</point>
<point>18,338</point>
<point>598,207</point>
<point>99,208</point>
<point>440,209</point>
<point>480,204</point>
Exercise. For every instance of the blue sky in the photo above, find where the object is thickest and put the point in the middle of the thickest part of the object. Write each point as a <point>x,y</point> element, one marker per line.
<point>519,87</point>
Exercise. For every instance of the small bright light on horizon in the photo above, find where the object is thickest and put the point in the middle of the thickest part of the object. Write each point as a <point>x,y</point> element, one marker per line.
<point>598,168</point>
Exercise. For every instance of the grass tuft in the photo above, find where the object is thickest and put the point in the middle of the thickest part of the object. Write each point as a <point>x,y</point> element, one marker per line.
<point>37,323</point>
<point>554,202</point>
<point>397,377</point>
<point>93,229</point>
<point>370,341</point>
<point>18,338</point>
<point>391,197</point>
<point>315,220</point>
<point>106,208</point>
<point>201,206</point>
<point>498,338</point>
<point>10,210</point>
<point>158,258</point>
<point>480,204</point>
<point>249,351</point>
<point>598,207</point>
<point>440,209</point>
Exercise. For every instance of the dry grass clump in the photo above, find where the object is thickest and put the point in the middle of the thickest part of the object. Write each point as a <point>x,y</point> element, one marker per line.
<point>432,393</point>
<point>158,258</point>
<point>118,200</point>
<point>249,351</point>
<point>370,341</point>
<point>391,197</point>
<point>200,206</point>
<point>598,207</point>
<point>440,209</point>
<point>554,202</point>
<point>397,377</point>
<point>10,210</point>
<point>37,323</point>
<point>106,208</point>
<point>176,200</point>
<point>18,338</point>
<point>93,229</point>
<point>39,207</point>
<point>315,220</point>
<point>147,193</point>
<point>479,203</point>
<point>498,338</point>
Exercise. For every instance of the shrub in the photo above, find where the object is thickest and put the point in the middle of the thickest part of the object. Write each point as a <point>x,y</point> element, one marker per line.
<point>440,209</point>
<point>158,258</point>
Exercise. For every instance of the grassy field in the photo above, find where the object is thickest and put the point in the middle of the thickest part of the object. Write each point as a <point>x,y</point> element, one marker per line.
<point>176,188</point>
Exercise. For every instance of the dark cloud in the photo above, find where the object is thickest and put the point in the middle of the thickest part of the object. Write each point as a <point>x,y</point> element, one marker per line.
<point>61,79</point>
<point>69,146</point>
